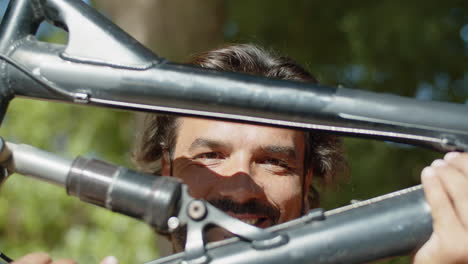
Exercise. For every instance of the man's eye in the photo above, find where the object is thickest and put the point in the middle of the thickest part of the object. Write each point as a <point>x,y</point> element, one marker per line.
<point>276,163</point>
<point>209,156</point>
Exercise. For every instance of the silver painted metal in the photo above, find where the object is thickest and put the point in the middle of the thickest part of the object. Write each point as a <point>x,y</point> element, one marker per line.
<point>151,198</point>
<point>197,210</point>
<point>195,251</point>
<point>179,89</point>
<point>86,28</point>
<point>81,98</point>
<point>4,157</point>
<point>437,142</point>
<point>356,204</point>
<point>173,223</point>
<point>198,215</point>
<point>37,163</point>
<point>386,226</point>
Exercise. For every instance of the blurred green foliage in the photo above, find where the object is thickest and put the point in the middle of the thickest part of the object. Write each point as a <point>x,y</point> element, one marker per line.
<point>412,48</point>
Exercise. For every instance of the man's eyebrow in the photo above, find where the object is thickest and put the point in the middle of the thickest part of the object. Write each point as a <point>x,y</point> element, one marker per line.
<point>287,151</point>
<point>209,143</point>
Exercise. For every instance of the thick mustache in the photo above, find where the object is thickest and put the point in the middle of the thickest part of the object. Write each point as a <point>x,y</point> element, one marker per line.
<point>250,207</point>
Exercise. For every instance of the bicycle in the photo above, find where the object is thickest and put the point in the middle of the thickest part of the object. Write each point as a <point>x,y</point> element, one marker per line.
<point>158,85</point>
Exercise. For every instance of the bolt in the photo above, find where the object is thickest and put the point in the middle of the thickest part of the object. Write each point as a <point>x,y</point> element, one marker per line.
<point>197,210</point>
<point>173,223</point>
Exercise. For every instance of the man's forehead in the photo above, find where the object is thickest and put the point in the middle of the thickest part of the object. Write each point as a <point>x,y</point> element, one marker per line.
<point>192,129</point>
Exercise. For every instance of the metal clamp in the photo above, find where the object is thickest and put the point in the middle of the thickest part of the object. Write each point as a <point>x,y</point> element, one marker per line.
<point>197,214</point>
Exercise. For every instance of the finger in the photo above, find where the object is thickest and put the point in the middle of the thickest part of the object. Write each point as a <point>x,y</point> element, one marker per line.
<point>444,219</point>
<point>456,185</point>
<point>34,258</point>
<point>458,160</point>
<point>109,260</point>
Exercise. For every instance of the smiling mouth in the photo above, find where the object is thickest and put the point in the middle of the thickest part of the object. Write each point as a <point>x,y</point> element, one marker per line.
<point>252,212</point>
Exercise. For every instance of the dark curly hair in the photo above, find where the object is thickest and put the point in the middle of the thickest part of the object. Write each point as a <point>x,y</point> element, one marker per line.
<point>323,152</point>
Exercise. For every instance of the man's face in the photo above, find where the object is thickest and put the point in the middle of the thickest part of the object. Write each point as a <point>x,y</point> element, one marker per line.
<point>254,173</point>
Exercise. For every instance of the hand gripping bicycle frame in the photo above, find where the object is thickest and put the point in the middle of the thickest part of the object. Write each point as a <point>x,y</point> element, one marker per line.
<point>102,65</point>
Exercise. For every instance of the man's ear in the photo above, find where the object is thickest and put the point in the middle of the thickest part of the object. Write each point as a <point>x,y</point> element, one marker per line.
<point>308,181</point>
<point>165,164</point>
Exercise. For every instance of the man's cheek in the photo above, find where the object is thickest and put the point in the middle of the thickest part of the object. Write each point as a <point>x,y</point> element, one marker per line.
<point>283,189</point>
<point>199,181</point>
<point>287,197</point>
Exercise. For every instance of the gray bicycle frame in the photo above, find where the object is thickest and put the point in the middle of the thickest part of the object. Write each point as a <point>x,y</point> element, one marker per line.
<point>102,65</point>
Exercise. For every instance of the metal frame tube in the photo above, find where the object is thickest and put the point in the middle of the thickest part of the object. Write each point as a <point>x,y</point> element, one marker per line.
<point>388,226</point>
<point>180,89</point>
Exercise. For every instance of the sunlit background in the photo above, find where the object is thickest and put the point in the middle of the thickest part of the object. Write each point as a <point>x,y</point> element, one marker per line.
<point>413,48</point>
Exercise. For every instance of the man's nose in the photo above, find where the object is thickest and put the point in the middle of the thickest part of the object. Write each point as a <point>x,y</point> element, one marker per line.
<point>240,188</point>
<point>239,182</point>
<point>237,164</point>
